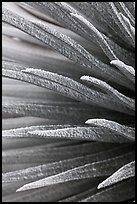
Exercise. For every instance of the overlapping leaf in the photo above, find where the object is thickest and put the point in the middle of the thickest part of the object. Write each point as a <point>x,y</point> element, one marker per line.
<point>56,152</point>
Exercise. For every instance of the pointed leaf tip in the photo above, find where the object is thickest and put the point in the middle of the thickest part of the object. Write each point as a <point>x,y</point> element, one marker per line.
<point>125,172</point>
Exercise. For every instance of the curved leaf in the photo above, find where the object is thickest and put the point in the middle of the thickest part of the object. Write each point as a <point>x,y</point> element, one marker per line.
<point>123,173</point>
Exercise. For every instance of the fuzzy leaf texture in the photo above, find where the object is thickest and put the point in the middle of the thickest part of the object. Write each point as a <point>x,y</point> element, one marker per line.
<point>68,101</point>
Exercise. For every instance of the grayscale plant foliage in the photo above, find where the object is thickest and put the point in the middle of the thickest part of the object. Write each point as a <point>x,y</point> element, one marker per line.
<point>68,101</point>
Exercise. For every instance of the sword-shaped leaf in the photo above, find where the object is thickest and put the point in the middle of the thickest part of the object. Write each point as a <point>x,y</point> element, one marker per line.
<point>86,171</point>
<point>123,173</point>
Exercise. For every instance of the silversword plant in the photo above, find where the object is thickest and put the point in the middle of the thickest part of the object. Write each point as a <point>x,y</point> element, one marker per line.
<point>68,101</point>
